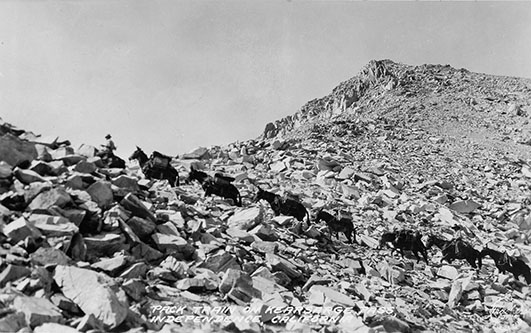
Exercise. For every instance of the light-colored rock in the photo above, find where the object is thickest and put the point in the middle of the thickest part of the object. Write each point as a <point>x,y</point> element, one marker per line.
<point>169,243</point>
<point>332,295</point>
<point>126,182</point>
<point>86,150</point>
<point>448,272</point>
<point>52,327</point>
<point>246,218</point>
<point>92,292</point>
<point>105,244</point>
<point>27,176</point>
<point>49,256</point>
<point>346,173</point>
<point>19,229</point>
<point>53,197</point>
<point>220,262</point>
<point>279,263</point>
<point>52,225</point>
<point>455,293</point>
<point>37,310</point>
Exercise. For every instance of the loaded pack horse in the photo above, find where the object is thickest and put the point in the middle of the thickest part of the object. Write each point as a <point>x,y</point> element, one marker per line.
<point>218,185</point>
<point>157,166</point>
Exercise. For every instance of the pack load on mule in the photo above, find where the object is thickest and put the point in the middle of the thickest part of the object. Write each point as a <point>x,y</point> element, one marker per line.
<point>506,263</point>
<point>405,240</point>
<point>157,166</point>
<point>456,249</point>
<point>220,185</point>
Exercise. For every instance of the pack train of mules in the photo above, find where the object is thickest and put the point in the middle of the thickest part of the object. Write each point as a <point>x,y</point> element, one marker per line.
<point>157,167</point>
<point>457,248</point>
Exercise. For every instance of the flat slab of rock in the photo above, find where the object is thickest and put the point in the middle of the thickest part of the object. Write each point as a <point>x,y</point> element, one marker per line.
<point>281,264</point>
<point>12,273</point>
<point>447,271</point>
<point>91,292</point>
<point>332,295</point>
<point>49,256</point>
<point>52,225</point>
<point>52,327</point>
<point>465,206</point>
<point>246,219</point>
<point>126,182</point>
<point>105,244</point>
<point>134,205</point>
<point>220,262</point>
<point>19,229</point>
<point>143,228</point>
<point>54,197</point>
<point>28,176</point>
<point>37,310</point>
<point>169,243</point>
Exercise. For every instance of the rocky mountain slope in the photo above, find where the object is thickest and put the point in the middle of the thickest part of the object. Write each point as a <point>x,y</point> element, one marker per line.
<point>430,148</point>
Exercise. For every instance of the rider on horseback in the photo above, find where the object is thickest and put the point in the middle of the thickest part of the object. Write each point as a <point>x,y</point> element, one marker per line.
<point>109,146</point>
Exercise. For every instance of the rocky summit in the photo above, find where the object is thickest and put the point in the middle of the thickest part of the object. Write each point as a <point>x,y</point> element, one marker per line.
<point>412,160</point>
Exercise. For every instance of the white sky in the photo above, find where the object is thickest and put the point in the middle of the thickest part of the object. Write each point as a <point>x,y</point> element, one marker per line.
<point>174,75</point>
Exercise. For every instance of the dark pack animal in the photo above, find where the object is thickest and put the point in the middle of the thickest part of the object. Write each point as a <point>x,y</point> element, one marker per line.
<point>218,185</point>
<point>157,166</point>
<point>405,240</point>
<point>456,249</point>
<point>284,206</point>
<point>335,225</point>
<point>507,263</point>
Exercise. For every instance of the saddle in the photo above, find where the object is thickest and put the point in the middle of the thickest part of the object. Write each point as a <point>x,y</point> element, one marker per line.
<point>159,161</point>
<point>219,178</point>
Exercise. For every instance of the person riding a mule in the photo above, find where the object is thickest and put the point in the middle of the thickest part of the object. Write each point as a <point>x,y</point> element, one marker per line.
<point>107,154</point>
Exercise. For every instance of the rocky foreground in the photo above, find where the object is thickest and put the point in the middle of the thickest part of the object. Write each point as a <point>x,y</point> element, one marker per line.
<point>430,148</point>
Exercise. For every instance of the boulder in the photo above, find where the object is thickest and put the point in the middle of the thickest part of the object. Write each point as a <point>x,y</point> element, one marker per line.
<point>37,310</point>
<point>126,182</point>
<point>85,167</point>
<point>197,154</point>
<point>53,327</point>
<point>12,273</point>
<point>464,206</point>
<point>53,197</point>
<point>49,256</point>
<point>50,225</point>
<point>221,262</point>
<point>92,292</point>
<point>134,205</point>
<point>86,150</point>
<point>14,150</point>
<point>141,227</point>
<point>105,244</point>
<point>246,219</point>
<point>28,176</point>
<point>101,193</point>
<point>19,229</point>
